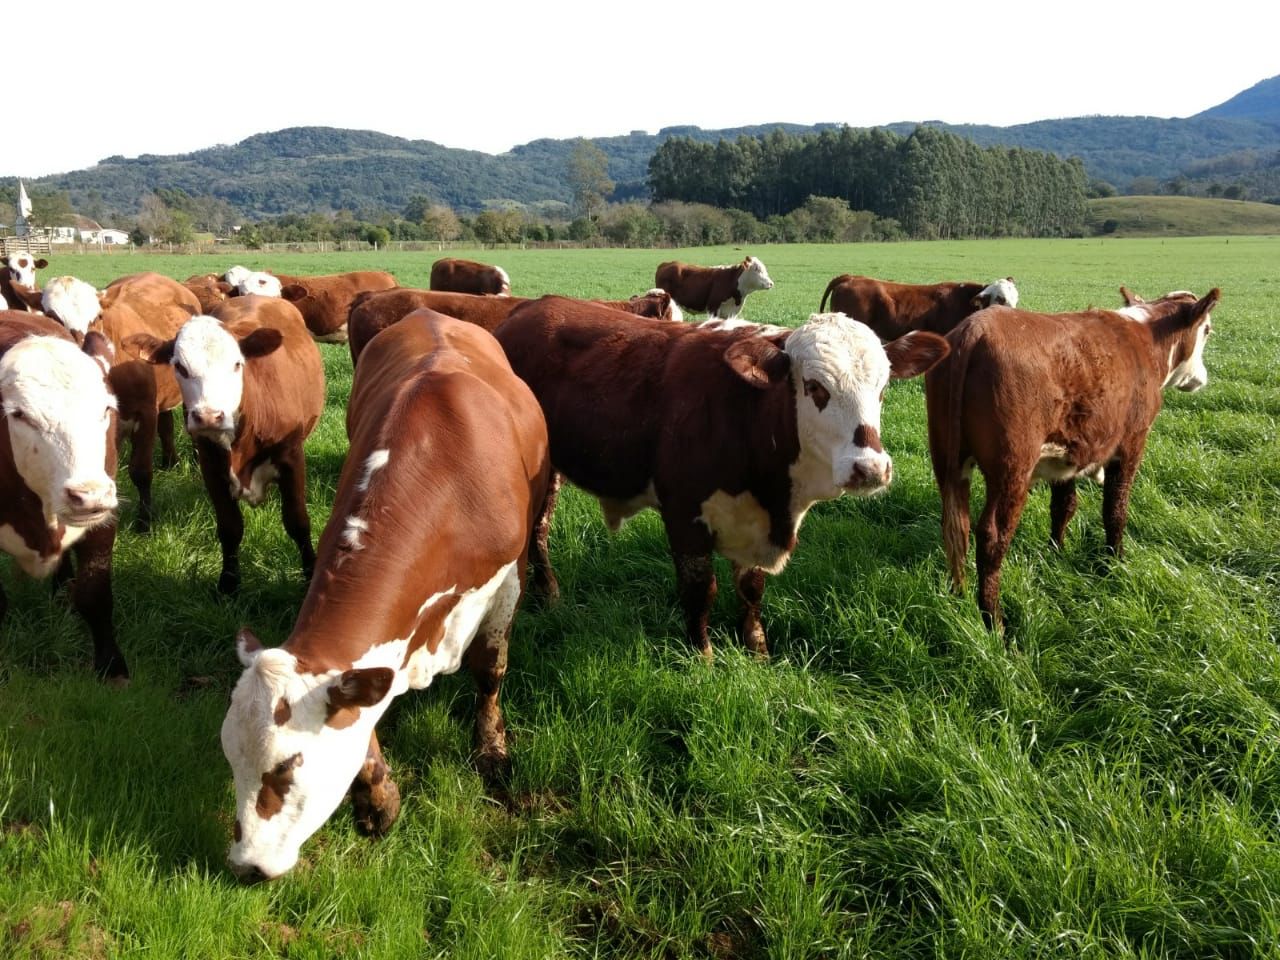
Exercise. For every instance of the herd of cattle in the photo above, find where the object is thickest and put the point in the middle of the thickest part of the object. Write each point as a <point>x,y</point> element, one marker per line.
<point>468,407</point>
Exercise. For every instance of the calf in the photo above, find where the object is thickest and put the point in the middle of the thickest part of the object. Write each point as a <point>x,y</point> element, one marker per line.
<point>19,272</point>
<point>57,468</point>
<point>716,291</point>
<point>253,387</point>
<point>731,434</point>
<point>1029,396</point>
<point>325,302</point>
<point>895,309</point>
<point>420,571</point>
<point>468,276</point>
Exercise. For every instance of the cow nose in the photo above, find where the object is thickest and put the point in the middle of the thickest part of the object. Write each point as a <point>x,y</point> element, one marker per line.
<point>248,873</point>
<point>870,475</point>
<point>202,418</point>
<point>90,496</point>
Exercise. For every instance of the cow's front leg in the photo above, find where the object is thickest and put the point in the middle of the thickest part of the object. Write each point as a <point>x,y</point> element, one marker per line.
<point>375,798</point>
<point>695,575</point>
<point>750,584</point>
<point>168,447</point>
<point>215,467</point>
<point>91,596</point>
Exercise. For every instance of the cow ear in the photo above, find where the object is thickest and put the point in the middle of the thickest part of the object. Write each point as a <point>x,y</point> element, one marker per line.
<point>99,348</point>
<point>41,263</point>
<point>149,348</point>
<point>758,361</point>
<point>1204,305</point>
<point>260,343</point>
<point>915,353</point>
<point>293,292</point>
<point>361,687</point>
<point>224,288</point>
<point>248,646</point>
<point>1130,298</point>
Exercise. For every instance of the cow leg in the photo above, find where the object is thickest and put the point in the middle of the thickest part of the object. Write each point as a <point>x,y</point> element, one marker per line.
<point>1062,507</point>
<point>750,584</point>
<point>544,576</point>
<point>65,574</point>
<point>1005,499</point>
<point>1116,484</point>
<point>215,467</point>
<point>92,599</point>
<point>486,658</point>
<point>293,505</point>
<point>168,448</point>
<point>4,604</point>
<point>375,798</point>
<point>142,448</point>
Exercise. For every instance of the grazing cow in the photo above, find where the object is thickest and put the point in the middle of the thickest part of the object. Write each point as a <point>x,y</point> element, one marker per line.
<point>19,271</point>
<point>209,289</point>
<point>253,387</point>
<point>420,571</point>
<point>325,302</point>
<point>375,311</point>
<point>731,434</point>
<point>141,303</point>
<point>1029,396</point>
<point>895,309</point>
<point>57,468</point>
<point>715,291</point>
<point>467,276</point>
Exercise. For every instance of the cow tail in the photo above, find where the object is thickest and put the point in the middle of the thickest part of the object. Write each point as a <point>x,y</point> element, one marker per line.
<point>944,398</point>
<point>822,307</point>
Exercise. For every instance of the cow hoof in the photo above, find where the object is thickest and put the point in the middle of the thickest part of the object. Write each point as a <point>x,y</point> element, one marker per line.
<point>376,808</point>
<point>118,683</point>
<point>228,584</point>
<point>493,764</point>
<point>142,525</point>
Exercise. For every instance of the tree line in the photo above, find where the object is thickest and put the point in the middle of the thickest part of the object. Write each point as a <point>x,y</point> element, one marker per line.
<point>932,183</point>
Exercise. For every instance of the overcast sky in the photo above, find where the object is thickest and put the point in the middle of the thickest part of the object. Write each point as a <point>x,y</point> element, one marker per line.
<point>141,77</point>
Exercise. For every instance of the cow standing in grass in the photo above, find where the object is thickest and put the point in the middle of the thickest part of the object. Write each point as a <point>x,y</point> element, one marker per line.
<point>895,309</point>
<point>715,291</point>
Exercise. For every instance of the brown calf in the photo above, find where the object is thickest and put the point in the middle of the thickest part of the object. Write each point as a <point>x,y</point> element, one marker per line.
<point>468,276</point>
<point>716,291</point>
<point>420,571</point>
<point>894,309</point>
<point>1029,396</point>
<point>325,301</point>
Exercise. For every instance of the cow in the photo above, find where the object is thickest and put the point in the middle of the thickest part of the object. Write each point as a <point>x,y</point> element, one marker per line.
<point>732,435</point>
<point>209,289</point>
<point>1027,396</point>
<point>467,276</point>
<point>715,291</point>
<point>375,311</point>
<point>235,275</point>
<point>57,469</point>
<point>895,309</point>
<point>139,303</point>
<point>324,301</point>
<point>253,388</point>
<point>420,570</point>
<point>19,271</point>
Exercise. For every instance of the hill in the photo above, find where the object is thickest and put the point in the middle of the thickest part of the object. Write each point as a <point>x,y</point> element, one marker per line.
<point>1259,102</point>
<point>1182,217</point>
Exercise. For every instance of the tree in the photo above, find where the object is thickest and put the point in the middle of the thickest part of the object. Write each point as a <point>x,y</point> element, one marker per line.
<point>377,237</point>
<point>51,210</point>
<point>154,218</point>
<point>441,223</point>
<point>589,178</point>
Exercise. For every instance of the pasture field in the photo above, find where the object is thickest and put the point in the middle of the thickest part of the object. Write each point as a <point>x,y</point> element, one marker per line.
<point>892,783</point>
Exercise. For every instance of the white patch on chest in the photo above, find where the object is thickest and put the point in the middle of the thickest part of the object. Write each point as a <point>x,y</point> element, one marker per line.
<point>740,526</point>
<point>30,561</point>
<point>616,511</point>
<point>256,492</point>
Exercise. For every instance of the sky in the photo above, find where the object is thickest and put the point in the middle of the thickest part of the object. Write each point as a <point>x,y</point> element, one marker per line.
<point>142,77</point>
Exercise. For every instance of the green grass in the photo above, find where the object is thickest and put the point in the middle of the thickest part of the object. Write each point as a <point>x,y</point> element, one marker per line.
<point>893,783</point>
<point>1183,217</point>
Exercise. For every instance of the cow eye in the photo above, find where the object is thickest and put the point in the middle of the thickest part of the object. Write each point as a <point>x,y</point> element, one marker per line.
<point>17,415</point>
<point>182,371</point>
<point>820,395</point>
<point>239,366</point>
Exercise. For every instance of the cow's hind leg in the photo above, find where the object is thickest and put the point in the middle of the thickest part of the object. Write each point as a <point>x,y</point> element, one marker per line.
<point>486,658</point>
<point>1006,496</point>
<point>375,798</point>
<point>293,505</point>
<point>1116,485</point>
<point>750,584</point>
<point>1062,507</point>
<point>544,575</point>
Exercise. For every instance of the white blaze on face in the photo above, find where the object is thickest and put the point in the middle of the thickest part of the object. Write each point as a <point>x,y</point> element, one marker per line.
<point>1000,292</point>
<point>840,371</point>
<point>57,409</point>
<point>23,270</point>
<point>71,302</point>
<point>210,370</point>
<point>506,281</point>
<point>1191,374</point>
<point>235,276</point>
<point>263,284</point>
<point>754,277</point>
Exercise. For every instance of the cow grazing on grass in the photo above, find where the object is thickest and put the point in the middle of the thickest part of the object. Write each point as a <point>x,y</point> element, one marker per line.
<point>1029,396</point>
<point>731,434</point>
<point>209,289</point>
<point>57,468</point>
<point>253,387</point>
<point>324,301</point>
<point>715,291</point>
<point>375,311</point>
<point>468,276</point>
<point>895,309</point>
<point>420,571</point>
<point>18,280</point>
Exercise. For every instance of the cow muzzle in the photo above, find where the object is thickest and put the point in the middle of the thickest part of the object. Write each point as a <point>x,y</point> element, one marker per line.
<point>87,503</point>
<point>205,420</point>
<point>868,475</point>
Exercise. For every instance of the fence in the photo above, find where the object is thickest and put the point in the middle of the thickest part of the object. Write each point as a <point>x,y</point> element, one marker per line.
<point>27,244</point>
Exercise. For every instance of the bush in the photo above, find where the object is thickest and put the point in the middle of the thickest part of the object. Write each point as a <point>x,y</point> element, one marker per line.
<point>377,236</point>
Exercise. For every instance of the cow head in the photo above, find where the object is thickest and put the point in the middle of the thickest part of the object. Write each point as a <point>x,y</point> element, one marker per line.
<point>504,282</point>
<point>839,372</point>
<point>60,418</point>
<point>235,275</point>
<point>263,284</point>
<point>208,360</point>
<point>670,310</point>
<point>73,303</point>
<point>1001,292</point>
<point>754,276</point>
<point>1181,324</point>
<point>22,268</point>
<point>295,741</point>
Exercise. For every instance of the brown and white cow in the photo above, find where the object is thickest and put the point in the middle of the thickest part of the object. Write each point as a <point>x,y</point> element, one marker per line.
<point>253,388</point>
<point>468,276</point>
<point>209,289</point>
<point>372,312</point>
<point>324,301</point>
<point>716,291</point>
<point>731,434</point>
<point>57,468</point>
<point>420,571</point>
<point>1027,396</point>
<point>140,303</point>
<point>894,309</point>
<point>18,277</point>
